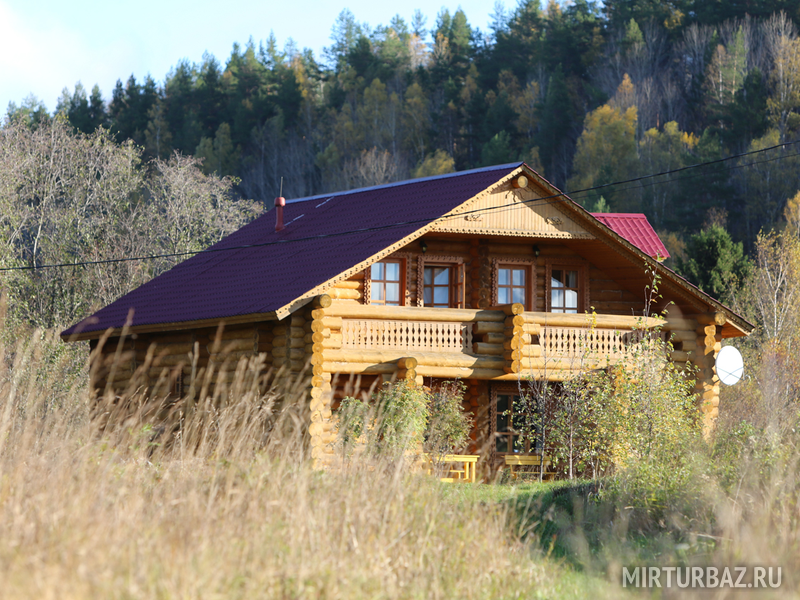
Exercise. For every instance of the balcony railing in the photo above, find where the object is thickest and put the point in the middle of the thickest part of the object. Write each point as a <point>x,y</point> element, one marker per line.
<point>578,342</point>
<point>426,336</point>
<point>498,343</point>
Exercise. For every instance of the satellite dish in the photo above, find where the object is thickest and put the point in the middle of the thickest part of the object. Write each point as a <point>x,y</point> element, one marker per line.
<point>730,365</point>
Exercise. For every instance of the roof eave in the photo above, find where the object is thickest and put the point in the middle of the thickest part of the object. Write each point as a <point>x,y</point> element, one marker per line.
<point>164,327</point>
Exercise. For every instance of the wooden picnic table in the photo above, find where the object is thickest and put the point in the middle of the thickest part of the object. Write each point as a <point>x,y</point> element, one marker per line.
<point>535,462</point>
<point>461,467</point>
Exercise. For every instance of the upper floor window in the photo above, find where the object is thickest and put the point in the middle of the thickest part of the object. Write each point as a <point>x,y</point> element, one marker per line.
<point>443,285</point>
<point>386,279</point>
<point>514,282</point>
<point>567,288</point>
<point>564,291</point>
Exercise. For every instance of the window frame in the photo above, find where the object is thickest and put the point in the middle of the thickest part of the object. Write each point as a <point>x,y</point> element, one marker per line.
<point>583,283</point>
<point>403,259</point>
<point>514,392</point>
<point>530,274</point>
<point>457,288</point>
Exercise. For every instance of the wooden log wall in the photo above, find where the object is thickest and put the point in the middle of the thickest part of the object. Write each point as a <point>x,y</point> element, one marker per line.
<point>477,405</point>
<point>484,264</point>
<point>182,363</point>
<point>473,275</point>
<point>352,289</point>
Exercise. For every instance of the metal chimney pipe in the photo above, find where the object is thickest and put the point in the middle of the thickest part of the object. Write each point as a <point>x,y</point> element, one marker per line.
<point>280,202</point>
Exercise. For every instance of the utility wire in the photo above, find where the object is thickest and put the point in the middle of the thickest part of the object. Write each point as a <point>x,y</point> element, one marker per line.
<point>560,197</point>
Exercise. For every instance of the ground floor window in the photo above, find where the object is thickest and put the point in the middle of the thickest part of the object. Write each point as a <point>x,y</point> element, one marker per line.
<point>507,437</point>
<point>511,419</point>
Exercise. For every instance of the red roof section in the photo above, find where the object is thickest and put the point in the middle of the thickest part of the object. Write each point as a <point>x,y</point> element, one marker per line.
<point>635,228</point>
<point>257,270</point>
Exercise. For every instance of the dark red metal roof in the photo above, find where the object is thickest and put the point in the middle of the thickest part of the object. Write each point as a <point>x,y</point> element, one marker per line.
<point>635,228</point>
<point>256,270</point>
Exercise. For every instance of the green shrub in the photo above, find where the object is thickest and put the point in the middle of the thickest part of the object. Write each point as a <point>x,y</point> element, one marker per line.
<point>448,426</point>
<point>390,425</point>
<point>403,416</point>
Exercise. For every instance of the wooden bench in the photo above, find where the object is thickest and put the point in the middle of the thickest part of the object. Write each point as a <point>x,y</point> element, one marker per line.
<point>529,463</point>
<point>455,467</point>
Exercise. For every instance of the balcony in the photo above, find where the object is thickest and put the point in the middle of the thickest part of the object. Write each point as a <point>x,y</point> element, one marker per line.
<point>501,343</point>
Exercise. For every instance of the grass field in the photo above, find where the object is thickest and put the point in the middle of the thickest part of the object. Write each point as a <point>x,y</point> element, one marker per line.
<point>232,509</point>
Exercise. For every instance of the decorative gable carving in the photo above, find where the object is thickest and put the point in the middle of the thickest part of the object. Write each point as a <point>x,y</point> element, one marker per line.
<point>515,212</point>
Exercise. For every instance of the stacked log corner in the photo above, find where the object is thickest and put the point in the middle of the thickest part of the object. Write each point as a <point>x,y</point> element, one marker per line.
<point>319,335</point>
<point>697,339</point>
<point>709,343</point>
<point>407,370</point>
<point>513,337</point>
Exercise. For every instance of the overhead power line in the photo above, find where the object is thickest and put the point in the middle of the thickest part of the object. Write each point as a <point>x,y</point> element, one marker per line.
<point>560,197</point>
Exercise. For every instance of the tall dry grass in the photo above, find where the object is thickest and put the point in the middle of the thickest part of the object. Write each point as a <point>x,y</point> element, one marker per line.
<point>230,509</point>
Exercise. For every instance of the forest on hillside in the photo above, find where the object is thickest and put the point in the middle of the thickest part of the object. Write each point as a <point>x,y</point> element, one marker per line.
<point>587,94</point>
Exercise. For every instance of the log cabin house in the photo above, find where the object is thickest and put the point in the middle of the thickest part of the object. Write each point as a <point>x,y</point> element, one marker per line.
<point>484,275</point>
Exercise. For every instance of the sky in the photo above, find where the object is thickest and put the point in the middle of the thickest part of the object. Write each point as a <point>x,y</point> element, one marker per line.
<point>47,45</point>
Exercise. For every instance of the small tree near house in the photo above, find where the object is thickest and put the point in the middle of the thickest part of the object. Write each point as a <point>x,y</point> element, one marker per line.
<point>404,417</point>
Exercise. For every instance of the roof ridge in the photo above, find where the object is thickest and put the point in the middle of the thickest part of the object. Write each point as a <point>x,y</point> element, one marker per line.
<point>331,195</point>
<point>618,214</point>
